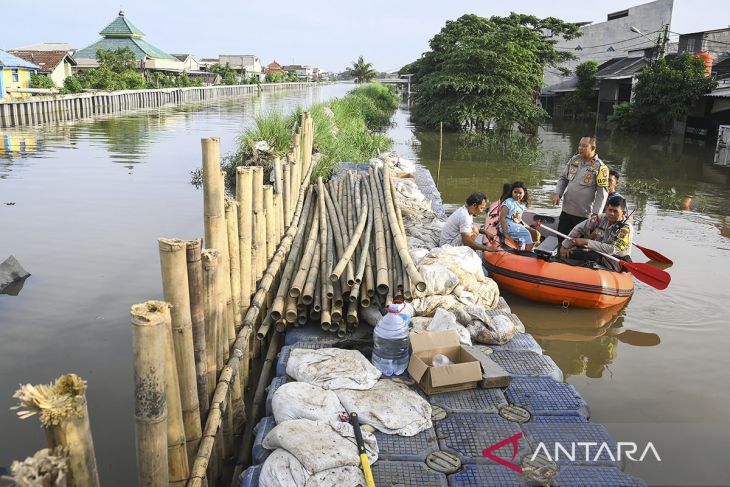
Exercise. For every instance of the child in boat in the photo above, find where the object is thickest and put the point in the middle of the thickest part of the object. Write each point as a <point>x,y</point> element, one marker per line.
<point>510,216</point>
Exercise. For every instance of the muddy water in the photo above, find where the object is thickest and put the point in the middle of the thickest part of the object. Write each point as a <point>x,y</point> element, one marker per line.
<point>81,207</point>
<point>657,369</point>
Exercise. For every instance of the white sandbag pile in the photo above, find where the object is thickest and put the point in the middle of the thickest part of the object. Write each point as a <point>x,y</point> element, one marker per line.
<point>390,407</point>
<point>299,400</point>
<point>282,469</point>
<point>442,320</point>
<point>486,328</point>
<point>332,368</point>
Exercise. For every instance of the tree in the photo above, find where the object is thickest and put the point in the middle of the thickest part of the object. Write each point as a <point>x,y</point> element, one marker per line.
<point>227,74</point>
<point>361,71</point>
<point>664,93</point>
<point>483,72</point>
<point>38,80</point>
<point>585,97</point>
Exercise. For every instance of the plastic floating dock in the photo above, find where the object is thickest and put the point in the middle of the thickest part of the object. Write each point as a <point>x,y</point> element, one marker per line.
<point>595,477</point>
<point>485,476</point>
<point>309,334</point>
<point>406,448</point>
<point>406,474</point>
<point>560,440</point>
<point>259,453</point>
<point>544,396</point>
<point>521,342</point>
<point>275,384</point>
<point>467,435</point>
<point>527,364</point>
<point>286,351</point>
<point>470,401</point>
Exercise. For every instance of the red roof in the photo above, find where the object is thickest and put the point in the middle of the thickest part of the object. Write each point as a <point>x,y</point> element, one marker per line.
<point>47,60</point>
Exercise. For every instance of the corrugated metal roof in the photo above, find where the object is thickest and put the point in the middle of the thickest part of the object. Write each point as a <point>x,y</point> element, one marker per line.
<point>7,60</point>
<point>121,26</point>
<point>623,68</point>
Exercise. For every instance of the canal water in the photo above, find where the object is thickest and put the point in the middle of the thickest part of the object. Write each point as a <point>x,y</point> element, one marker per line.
<point>82,204</point>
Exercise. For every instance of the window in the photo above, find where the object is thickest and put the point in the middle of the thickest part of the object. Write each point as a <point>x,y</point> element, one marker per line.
<point>690,45</point>
<point>618,15</point>
<point>15,76</point>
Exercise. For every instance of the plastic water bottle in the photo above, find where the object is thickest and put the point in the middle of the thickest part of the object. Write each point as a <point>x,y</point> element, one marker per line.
<point>391,349</point>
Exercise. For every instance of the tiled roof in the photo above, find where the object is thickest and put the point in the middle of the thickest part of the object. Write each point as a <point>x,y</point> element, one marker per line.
<point>121,26</point>
<point>141,48</point>
<point>45,46</point>
<point>10,61</point>
<point>46,60</point>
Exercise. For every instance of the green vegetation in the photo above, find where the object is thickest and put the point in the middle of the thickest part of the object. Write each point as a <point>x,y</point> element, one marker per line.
<point>483,74</point>
<point>118,71</point>
<point>585,98</point>
<point>664,93</point>
<point>345,130</point>
<point>281,78</point>
<point>361,71</point>
<point>38,80</point>
<point>508,146</point>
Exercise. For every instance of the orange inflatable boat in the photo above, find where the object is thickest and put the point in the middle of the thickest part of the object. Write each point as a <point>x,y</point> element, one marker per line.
<point>540,277</point>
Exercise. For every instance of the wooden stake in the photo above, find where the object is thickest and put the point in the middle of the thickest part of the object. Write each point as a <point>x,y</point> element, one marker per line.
<point>148,342</point>
<point>173,263</point>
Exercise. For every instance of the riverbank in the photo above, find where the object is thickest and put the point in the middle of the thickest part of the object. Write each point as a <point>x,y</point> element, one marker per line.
<point>61,108</point>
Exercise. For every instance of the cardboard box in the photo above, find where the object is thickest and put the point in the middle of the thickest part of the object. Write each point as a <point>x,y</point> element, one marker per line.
<point>464,373</point>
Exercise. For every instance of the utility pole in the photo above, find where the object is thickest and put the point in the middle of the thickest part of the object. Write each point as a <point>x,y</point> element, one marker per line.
<point>664,38</point>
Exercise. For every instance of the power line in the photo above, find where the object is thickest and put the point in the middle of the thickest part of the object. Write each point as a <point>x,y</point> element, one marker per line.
<point>611,43</point>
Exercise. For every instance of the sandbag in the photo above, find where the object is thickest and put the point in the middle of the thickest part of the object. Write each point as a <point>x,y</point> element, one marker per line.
<point>282,469</point>
<point>332,368</point>
<point>299,400</point>
<point>445,320</point>
<point>370,315</point>
<point>390,407</point>
<point>320,445</point>
<point>455,258</point>
<point>348,476</point>
<point>478,290</point>
<point>483,328</point>
<point>438,278</point>
<point>427,305</point>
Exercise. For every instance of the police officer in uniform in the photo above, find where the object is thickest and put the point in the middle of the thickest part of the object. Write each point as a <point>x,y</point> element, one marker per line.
<point>583,186</point>
<point>611,234</point>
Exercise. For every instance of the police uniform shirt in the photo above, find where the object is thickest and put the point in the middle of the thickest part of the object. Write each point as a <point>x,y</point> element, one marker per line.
<point>583,186</point>
<point>609,238</point>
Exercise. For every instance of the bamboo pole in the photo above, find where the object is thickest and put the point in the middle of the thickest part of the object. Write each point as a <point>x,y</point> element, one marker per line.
<point>234,253</point>
<point>312,274</point>
<point>280,195</point>
<point>350,249</point>
<point>330,263</point>
<point>299,280</point>
<point>213,195</point>
<point>244,196</point>
<point>173,264</point>
<point>213,314</point>
<point>150,425</point>
<point>399,238</point>
<point>382,282</point>
<point>270,221</point>
<point>64,415</point>
<point>259,223</point>
<point>197,315</point>
<point>278,225</point>
<point>287,194</point>
<point>393,258</point>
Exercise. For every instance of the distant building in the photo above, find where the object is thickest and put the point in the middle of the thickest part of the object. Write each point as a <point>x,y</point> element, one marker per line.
<point>121,33</point>
<point>274,68</point>
<point>57,65</point>
<point>301,72</point>
<point>190,62</point>
<point>246,64</point>
<point>207,62</point>
<point>47,46</point>
<point>613,38</point>
<point>15,75</point>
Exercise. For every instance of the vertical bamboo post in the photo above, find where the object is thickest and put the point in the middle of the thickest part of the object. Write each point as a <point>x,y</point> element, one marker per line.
<point>270,221</point>
<point>278,225</point>
<point>287,194</point>
<point>65,420</point>
<point>441,146</point>
<point>259,228</point>
<point>235,258</point>
<point>177,456</point>
<point>297,162</point>
<point>150,412</point>
<point>173,263</point>
<point>197,316</point>
<point>212,315</point>
<point>244,195</point>
<point>280,194</point>
<point>229,313</point>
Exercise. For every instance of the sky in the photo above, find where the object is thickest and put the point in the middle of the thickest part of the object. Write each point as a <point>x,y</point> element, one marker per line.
<point>329,34</point>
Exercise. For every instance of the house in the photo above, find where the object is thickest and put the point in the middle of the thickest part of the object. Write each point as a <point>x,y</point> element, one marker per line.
<point>121,33</point>
<point>190,62</point>
<point>206,62</point>
<point>57,65</point>
<point>15,75</point>
<point>613,38</point>
<point>47,46</point>
<point>246,64</point>
<point>301,72</point>
<point>274,68</point>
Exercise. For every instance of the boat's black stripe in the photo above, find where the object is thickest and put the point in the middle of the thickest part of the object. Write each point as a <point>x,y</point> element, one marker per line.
<point>546,281</point>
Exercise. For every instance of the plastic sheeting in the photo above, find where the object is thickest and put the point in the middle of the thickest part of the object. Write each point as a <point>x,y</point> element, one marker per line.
<point>446,320</point>
<point>320,445</point>
<point>390,407</point>
<point>332,368</point>
<point>299,400</point>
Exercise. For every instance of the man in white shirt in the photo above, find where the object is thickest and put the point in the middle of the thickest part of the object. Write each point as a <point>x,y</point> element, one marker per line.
<point>460,228</point>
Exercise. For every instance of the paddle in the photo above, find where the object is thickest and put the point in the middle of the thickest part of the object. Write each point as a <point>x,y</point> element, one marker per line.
<point>652,276</point>
<point>653,255</point>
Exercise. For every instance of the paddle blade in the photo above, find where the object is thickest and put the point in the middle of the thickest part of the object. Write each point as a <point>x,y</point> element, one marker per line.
<point>648,274</point>
<point>654,255</point>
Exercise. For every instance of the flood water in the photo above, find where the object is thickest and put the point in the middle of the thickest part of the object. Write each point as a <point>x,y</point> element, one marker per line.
<point>82,204</point>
